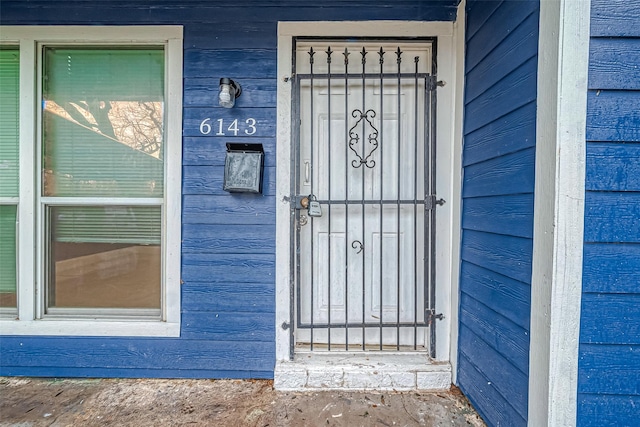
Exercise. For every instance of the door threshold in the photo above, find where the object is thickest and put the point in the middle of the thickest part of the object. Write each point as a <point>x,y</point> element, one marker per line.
<point>362,371</point>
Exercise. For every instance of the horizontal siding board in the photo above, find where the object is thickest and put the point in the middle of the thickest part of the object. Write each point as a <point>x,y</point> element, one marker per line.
<point>212,150</point>
<point>510,93</point>
<point>226,326</point>
<point>265,122</point>
<point>209,180</point>
<point>611,268</point>
<point>613,167</point>
<point>615,18</point>
<point>506,255</point>
<point>614,63</point>
<point>505,337</point>
<point>228,239</point>
<point>518,47</point>
<point>232,208</point>
<point>496,28</point>
<point>611,319</point>
<point>136,353</point>
<point>232,34</point>
<point>203,92</point>
<point>228,296</point>
<point>609,369</point>
<point>508,381</point>
<point>509,174</point>
<point>612,217</point>
<point>507,297</point>
<point>239,268</point>
<point>613,116</point>
<point>492,406</point>
<point>238,64</point>
<point>98,372</point>
<point>511,214</point>
<point>602,410</point>
<point>206,12</point>
<point>508,134</point>
<point>477,14</point>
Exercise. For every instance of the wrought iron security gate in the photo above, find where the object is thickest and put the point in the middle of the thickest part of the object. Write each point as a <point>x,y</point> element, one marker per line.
<point>364,194</point>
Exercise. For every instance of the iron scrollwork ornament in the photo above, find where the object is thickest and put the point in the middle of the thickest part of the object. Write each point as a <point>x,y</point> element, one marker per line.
<point>354,139</point>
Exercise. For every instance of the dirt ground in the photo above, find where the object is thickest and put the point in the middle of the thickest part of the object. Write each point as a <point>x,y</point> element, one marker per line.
<point>129,402</point>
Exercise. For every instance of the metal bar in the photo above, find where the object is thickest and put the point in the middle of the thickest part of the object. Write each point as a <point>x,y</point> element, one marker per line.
<point>294,240</point>
<point>427,191</point>
<point>387,325</point>
<point>432,212</point>
<point>381,264</point>
<point>346,196</point>
<point>399,61</point>
<point>371,202</point>
<point>363,76</point>
<point>415,212</point>
<point>329,281</point>
<point>364,108</point>
<point>312,275</point>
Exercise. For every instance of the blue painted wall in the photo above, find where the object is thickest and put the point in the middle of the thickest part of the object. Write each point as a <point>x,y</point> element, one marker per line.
<point>228,251</point>
<point>497,218</point>
<point>609,363</point>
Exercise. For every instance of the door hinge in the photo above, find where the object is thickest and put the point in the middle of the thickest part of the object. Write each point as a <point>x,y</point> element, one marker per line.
<point>431,316</point>
<point>430,201</point>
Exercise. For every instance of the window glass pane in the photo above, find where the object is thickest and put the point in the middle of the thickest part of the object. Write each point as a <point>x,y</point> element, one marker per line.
<point>8,256</point>
<point>9,119</point>
<point>103,122</point>
<point>104,256</point>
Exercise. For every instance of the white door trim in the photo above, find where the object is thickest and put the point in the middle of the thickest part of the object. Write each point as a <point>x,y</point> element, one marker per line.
<point>556,284</point>
<point>449,160</point>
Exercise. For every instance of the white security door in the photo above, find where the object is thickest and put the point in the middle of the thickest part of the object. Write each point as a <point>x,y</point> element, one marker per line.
<point>363,180</point>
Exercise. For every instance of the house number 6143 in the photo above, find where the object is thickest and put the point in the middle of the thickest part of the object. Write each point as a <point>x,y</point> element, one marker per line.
<point>249,127</point>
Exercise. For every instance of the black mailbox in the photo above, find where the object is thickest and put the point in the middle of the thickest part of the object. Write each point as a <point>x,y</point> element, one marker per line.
<point>243,168</point>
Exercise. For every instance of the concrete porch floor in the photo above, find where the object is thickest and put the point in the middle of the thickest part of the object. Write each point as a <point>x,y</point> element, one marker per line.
<point>151,402</point>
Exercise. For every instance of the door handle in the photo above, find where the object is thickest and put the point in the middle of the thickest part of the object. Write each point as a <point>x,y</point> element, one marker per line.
<point>307,172</point>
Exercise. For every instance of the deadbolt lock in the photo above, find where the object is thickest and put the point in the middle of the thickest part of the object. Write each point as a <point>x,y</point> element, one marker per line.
<point>304,202</point>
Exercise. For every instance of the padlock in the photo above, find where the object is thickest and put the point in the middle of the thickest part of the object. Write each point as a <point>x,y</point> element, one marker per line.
<point>314,207</point>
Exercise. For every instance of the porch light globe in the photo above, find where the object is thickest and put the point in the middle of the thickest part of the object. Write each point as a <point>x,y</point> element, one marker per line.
<point>229,91</point>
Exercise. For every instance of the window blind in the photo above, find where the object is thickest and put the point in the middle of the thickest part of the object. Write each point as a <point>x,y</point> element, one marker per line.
<point>103,122</point>
<point>9,121</point>
<point>107,224</point>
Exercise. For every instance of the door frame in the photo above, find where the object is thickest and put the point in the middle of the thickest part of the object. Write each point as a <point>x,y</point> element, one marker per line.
<point>450,39</point>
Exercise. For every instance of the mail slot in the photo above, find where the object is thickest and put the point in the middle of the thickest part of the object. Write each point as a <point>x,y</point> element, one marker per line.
<point>243,168</point>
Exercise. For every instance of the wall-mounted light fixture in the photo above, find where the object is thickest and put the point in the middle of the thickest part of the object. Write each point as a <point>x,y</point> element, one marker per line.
<point>229,91</point>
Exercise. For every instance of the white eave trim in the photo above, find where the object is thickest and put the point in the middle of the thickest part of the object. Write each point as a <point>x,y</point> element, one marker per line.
<point>556,290</point>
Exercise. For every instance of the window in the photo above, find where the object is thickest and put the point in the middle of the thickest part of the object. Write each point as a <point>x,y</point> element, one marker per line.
<point>97,189</point>
<point>9,143</point>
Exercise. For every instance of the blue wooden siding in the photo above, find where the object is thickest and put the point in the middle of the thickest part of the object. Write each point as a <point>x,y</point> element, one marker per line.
<point>228,252</point>
<point>497,214</point>
<point>609,358</point>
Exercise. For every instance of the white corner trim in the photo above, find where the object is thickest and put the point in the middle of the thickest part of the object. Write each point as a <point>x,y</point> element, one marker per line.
<point>459,27</point>
<point>556,290</point>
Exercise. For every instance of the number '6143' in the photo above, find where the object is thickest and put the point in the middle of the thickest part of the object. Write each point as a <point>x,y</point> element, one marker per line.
<point>225,128</point>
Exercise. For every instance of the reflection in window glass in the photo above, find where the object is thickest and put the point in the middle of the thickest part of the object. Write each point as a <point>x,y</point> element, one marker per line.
<point>103,122</point>
<point>8,256</point>
<point>102,138</point>
<point>104,257</point>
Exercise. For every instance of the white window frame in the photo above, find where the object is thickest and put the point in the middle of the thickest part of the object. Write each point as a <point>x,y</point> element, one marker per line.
<point>30,319</point>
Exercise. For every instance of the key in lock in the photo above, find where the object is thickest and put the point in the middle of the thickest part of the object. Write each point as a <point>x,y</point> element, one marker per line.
<point>314,207</point>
